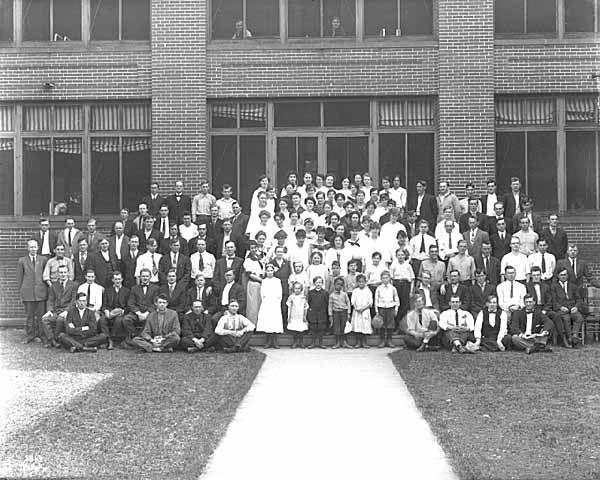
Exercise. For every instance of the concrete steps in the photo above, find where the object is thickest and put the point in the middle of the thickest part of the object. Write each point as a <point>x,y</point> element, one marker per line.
<point>286,339</point>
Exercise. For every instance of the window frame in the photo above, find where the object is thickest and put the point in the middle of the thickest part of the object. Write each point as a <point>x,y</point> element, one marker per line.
<point>19,4</point>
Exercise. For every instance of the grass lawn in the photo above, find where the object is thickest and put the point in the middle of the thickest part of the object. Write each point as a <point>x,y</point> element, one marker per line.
<point>509,415</point>
<point>115,414</point>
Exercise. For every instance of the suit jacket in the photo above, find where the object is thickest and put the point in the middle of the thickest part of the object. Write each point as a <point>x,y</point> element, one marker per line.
<point>500,247</point>
<point>236,292</point>
<point>221,267</point>
<point>196,326</point>
<point>283,273</point>
<point>124,246</point>
<point>537,222</point>
<point>64,241</point>
<point>129,228</point>
<point>30,280</point>
<point>165,246</point>
<point>518,322</point>
<point>52,240</point>
<point>474,248</point>
<point>557,244</point>
<point>479,297</point>
<point>154,234</point>
<point>61,299</point>
<point>545,302</point>
<point>484,199</point>
<point>154,205</point>
<point>177,301</point>
<point>104,269</point>
<point>429,208</point>
<point>509,205</point>
<point>193,245</point>
<point>238,229</point>
<point>138,302</point>
<point>176,208</point>
<point>583,272</point>
<point>93,240</point>
<point>560,299</point>
<point>80,269</point>
<point>184,268</point>
<point>209,300</point>
<point>111,299</point>
<point>128,265</point>
<point>87,320</point>
<point>434,294</point>
<point>412,231</point>
<point>170,326</point>
<point>463,222</point>
<point>463,292</point>
<point>217,244</point>
<point>493,272</point>
<point>213,230</point>
<point>492,228</point>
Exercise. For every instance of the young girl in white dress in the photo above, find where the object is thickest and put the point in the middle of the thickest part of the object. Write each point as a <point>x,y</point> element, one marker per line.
<point>297,307</point>
<point>362,300</point>
<point>270,320</point>
<point>299,276</point>
<point>317,269</point>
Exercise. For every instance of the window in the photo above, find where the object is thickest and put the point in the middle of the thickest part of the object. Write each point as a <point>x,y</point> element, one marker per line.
<point>347,113</point>
<point>296,154</point>
<point>51,20</point>
<point>347,155</point>
<point>581,16</point>
<point>396,18</point>
<point>119,19</point>
<point>7,188</point>
<point>295,114</point>
<point>525,16</point>
<point>412,112</point>
<point>321,18</point>
<point>243,19</point>
<point>6,20</point>
<point>233,115</point>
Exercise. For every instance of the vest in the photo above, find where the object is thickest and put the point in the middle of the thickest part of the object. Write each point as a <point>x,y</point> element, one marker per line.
<point>487,331</point>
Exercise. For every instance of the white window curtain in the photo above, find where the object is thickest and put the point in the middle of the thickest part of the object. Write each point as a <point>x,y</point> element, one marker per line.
<point>37,144</point>
<point>137,116</point>
<point>104,116</point>
<point>68,117</point>
<point>37,118</point>
<point>6,118</point>
<point>105,145</point>
<point>248,111</point>
<point>412,112</point>
<point>580,109</point>
<point>6,144</point>
<point>525,111</point>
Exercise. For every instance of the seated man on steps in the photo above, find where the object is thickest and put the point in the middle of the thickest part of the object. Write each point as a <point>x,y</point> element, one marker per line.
<point>162,331</point>
<point>421,326</point>
<point>81,328</point>
<point>234,330</point>
<point>197,330</point>
<point>491,327</point>
<point>530,328</point>
<point>61,297</point>
<point>457,325</point>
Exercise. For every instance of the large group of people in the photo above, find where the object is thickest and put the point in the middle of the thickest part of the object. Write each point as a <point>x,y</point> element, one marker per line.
<point>323,257</point>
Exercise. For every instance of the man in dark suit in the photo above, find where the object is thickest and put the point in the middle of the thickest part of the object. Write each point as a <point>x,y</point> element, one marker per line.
<point>93,236</point>
<point>104,263</point>
<point>176,292</point>
<point>46,238</point>
<point>218,246</point>
<point>193,242</point>
<point>118,243</point>
<point>229,261</point>
<point>411,224</point>
<point>578,270</point>
<point>197,330</point>
<point>61,297</point>
<point>115,306</point>
<point>454,287</point>
<point>162,330</point>
<point>69,236</point>
<point>140,304</point>
<point>129,262</point>
<point>489,264</point>
<point>501,240</point>
<point>165,244</point>
<point>424,204</point>
<point>283,270</point>
<point>154,200</point>
<point>82,260</point>
<point>239,223</point>
<point>473,212</point>
<point>512,200</point>
<point>492,219</point>
<point>206,294</point>
<point>214,226</point>
<point>148,232</point>
<point>178,203</point>
<point>535,221</point>
<point>163,223</point>
<point>480,292</point>
<point>530,328</point>
<point>33,289</point>
<point>81,328</point>
<point>475,237</point>
<point>556,237</point>
<point>129,227</point>
<point>178,261</point>
<point>489,199</point>
<point>138,221</point>
<point>542,296</point>
<point>567,304</point>
<point>231,291</point>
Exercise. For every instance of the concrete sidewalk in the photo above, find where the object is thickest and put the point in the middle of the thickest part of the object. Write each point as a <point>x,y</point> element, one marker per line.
<point>328,415</point>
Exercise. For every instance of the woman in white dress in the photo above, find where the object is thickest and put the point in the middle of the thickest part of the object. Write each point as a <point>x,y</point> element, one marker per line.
<point>361,300</point>
<point>254,271</point>
<point>270,319</point>
<point>254,223</point>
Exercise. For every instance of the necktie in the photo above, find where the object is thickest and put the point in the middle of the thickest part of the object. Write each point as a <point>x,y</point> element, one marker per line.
<point>543,264</point>
<point>511,289</point>
<point>422,250</point>
<point>200,262</point>
<point>154,269</point>
<point>456,317</point>
<point>89,295</point>
<point>566,290</point>
<point>82,260</point>
<point>171,288</point>
<point>174,261</point>
<point>450,241</point>
<point>91,239</point>
<point>162,227</point>
<point>33,261</point>
<point>70,239</point>
<point>420,318</point>
<point>485,265</point>
<point>573,265</point>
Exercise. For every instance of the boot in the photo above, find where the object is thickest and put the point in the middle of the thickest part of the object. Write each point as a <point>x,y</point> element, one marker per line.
<point>381,343</point>
<point>363,338</point>
<point>110,345</point>
<point>565,341</point>
<point>294,342</point>
<point>345,343</point>
<point>301,341</point>
<point>274,341</point>
<point>313,343</point>
<point>321,342</point>
<point>389,342</point>
<point>337,342</point>
<point>268,341</point>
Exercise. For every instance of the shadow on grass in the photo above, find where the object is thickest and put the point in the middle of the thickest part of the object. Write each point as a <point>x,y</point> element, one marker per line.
<point>509,415</point>
<point>156,416</point>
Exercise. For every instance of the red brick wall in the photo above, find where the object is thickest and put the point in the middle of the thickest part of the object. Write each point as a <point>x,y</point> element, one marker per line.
<point>179,92</point>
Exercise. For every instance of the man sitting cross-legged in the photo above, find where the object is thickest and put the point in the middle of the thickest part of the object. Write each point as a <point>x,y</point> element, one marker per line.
<point>234,330</point>
<point>530,328</point>
<point>421,326</point>
<point>61,297</point>
<point>457,326</point>
<point>81,328</point>
<point>162,331</point>
<point>197,330</point>
<point>491,327</point>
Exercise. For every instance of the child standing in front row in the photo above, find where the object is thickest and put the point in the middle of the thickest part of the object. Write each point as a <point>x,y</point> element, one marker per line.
<point>362,300</point>
<point>297,307</point>
<point>299,275</point>
<point>403,277</point>
<point>339,312</point>
<point>318,303</point>
<point>386,305</point>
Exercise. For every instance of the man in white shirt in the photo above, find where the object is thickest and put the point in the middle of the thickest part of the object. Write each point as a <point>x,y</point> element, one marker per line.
<point>398,193</point>
<point>50,274</point>
<point>187,229</point>
<point>517,260</point>
<point>421,326</point>
<point>447,214</point>
<point>544,260</point>
<point>457,327</point>
<point>491,327</point>
<point>149,261</point>
<point>527,237</point>
<point>234,330</point>
<point>93,292</point>
<point>420,244</point>
<point>448,240</point>
<point>201,204</point>
<point>488,201</point>
<point>225,203</point>
<point>511,293</point>
<point>203,262</point>
<point>470,191</point>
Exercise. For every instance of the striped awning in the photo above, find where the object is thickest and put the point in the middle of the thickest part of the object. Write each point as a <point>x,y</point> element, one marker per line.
<point>412,112</point>
<point>248,111</point>
<point>525,111</point>
<point>6,118</point>
<point>37,144</point>
<point>105,145</point>
<point>137,144</point>
<point>7,144</point>
<point>67,145</point>
<point>580,109</point>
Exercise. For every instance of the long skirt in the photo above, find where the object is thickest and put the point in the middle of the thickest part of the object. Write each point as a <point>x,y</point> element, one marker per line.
<point>253,301</point>
<point>403,289</point>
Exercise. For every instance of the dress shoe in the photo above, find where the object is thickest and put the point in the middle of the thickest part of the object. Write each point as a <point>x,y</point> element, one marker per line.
<point>73,350</point>
<point>381,345</point>
<point>228,350</point>
<point>422,347</point>
<point>530,350</point>
<point>37,340</point>
<point>565,342</point>
<point>390,344</point>
<point>192,349</point>
<point>54,343</point>
<point>90,349</point>
<point>28,339</point>
<point>462,349</point>
<point>110,345</point>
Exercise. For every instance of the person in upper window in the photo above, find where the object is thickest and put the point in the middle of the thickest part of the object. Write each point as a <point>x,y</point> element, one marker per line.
<point>336,28</point>
<point>240,33</point>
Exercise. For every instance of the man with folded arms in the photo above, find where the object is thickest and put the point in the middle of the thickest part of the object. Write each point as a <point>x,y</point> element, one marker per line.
<point>197,331</point>
<point>234,330</point>
<point>530,328</point>
<point>162,331</point>
<point>491,327</point>
<point>61,297</point>
<point>81,328</point>
<point>421,326</point>
<point>457,326</point>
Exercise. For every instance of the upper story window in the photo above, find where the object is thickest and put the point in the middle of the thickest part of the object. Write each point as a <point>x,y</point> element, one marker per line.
<point>119,20</point>
<point>396,18</point>
<point>6,20</point>
<point>581,16</point>
<point>244,19</point>
<point>514,17</point>
<point>51,20</point>
<point>321,18</point>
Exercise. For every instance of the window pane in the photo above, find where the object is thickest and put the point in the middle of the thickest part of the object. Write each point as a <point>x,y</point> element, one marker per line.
<point>224,115</point>
<point>380,14</point>
<point>541,16</point>
<point>252,164</point>
<point>339,19</point>
<point>420,160</point>
<point>105,175</point>
<point>347,113</point>
<point>136,20</point>
<point>67,174</point>
<point>308,154</point>
<point>509,15</point>
<point>225,13</point>
<point>347,155</point>
<point>36,20</point>
<point>262,17</point>
<point>67,20</point>
<point>304,18</point>
<point>6,20</point>
<point>36,176</point>
<point>581,171</point>
<point>392,159</point>
<point>416,17</point>
<point>253,115</point>
<point>137,173</point>
<point>104,19</point>
<point>541,169</point>
<point>7,177</point>
<point>510,158</point>
<point>224,163</point>
<point>579,16</point>
<point>306,114</point>
<point>287,156</point>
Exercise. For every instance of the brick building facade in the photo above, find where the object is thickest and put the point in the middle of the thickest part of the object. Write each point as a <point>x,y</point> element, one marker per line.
<point>455,89</point>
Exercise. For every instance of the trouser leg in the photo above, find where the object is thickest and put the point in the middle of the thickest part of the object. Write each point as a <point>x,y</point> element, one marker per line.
<point>412,341</point>
<point>142,344</point>
<point>227,341</point>
<point>68,341</point>
<point>520,343</point>
<point>96,340</point>
<point>577,320</point>
<point>131,322</point>
<point>30,314</point>
<point>119,332</point>
<point>49,327</point>
<point>170,342</point>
